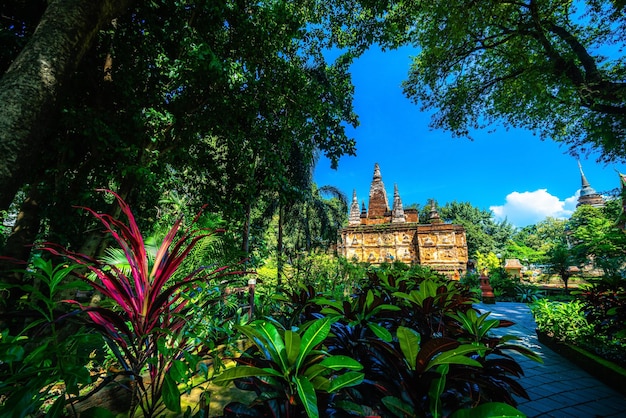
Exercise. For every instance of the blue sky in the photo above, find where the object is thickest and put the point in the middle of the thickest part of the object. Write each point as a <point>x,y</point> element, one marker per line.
<point>512,173</point>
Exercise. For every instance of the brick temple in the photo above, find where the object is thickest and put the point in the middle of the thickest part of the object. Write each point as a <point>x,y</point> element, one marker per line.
<point>378,234</point>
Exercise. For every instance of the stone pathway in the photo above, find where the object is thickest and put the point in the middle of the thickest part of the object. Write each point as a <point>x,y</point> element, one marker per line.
<point>557,388</point>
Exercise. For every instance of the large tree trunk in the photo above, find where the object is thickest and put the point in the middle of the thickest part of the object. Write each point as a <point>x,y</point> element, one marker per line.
<point>31,85</point>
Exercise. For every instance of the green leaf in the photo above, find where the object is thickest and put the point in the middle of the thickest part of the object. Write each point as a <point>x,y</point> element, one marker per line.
<point>437,387</point>
<point>58,407</point>
<point>171,394</point>
<point>11,353</point>
<point>276,345</point>
<point>409,344</point>
<point>244,371</point>
<point>391,308</point>
<point>178,371</point>
<point>38,354</point>
<point>368,300</point>
<point>260,333</point>
<point>58,274</point>
<point>398,407</point>
<point>341,362</point>
<point>351,408</point>
<point>455,356</point>
<point>492,410</point>
<point>320,383</point>
<point>345,380</point>
<point>315,370</point>
<point>292,345</point>
<point>315,334</point>
<point>380,332</point>
<point>306,392</point>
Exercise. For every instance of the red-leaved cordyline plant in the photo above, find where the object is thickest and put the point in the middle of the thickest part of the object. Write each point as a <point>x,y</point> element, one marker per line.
<point>148,327</point>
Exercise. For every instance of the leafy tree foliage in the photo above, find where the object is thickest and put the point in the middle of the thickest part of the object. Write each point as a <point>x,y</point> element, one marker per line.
<point>554,67</point>
<point>525,254</point>
<point>532,243</point>
<point>484,234</point>
<point>314,222</point>
<point>560,261</point>
<point>597,240</point>
<point>210,100</point>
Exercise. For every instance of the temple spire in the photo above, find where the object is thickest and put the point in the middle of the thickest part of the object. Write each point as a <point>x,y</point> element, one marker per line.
<point>378,205</point>
<point>397,213</point>
<point>433,216</point>
<point>355,213</point>
<point>588,196</point>
<point>377,175</point>
<point>583,179</point>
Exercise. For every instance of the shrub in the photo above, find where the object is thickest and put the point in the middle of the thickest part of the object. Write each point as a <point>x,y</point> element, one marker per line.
<point>149,322</point>
<point>45,365</point>
<point>564,321</point>
<point>605,306</point>
<point>503,285</point>
<point>471,280</point>
<point>527,293</point>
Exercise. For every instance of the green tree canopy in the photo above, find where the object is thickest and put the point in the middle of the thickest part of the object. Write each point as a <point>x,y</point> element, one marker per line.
<point>483,233</point>
<point>533,242</point>
<point>209,99</point>
<point>595,239</point>
<point>551,66</point>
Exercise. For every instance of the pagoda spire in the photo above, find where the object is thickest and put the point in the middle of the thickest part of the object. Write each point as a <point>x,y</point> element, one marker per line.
<point>433,216</point>
<point>378,205</point>
<point>397,213</point>
<point>377,175</point>
<point>583,179</point>
<point>588,195</point>
<point>355,212</point>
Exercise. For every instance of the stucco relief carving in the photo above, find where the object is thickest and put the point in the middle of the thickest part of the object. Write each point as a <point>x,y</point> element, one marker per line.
<point>447,239</point>
<point>428,242</point>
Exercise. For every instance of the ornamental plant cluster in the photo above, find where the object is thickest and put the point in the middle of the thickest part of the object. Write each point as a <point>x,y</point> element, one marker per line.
<point>595,320</point>
<point>400,343</point>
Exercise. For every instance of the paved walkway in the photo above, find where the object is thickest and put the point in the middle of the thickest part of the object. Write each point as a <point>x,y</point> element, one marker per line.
<point>557,388</point>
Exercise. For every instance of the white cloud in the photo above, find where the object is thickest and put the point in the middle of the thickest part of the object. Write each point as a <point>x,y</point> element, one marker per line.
<point>527,208</point>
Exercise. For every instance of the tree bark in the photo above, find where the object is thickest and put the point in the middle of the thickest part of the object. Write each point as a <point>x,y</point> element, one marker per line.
<point>40,73</point>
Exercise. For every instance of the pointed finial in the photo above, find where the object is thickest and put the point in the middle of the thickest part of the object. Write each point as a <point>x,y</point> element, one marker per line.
<point>583,179</point>
<point>377,171</point>
<point>433,216</point>
<point>355,215</point>
<point>397,213</point>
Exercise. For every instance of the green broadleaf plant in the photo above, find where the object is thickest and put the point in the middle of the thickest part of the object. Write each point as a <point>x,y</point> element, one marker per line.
<point>294,364</point>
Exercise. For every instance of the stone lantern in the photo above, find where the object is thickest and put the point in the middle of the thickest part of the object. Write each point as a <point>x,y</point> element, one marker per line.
<point>486,289</point>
